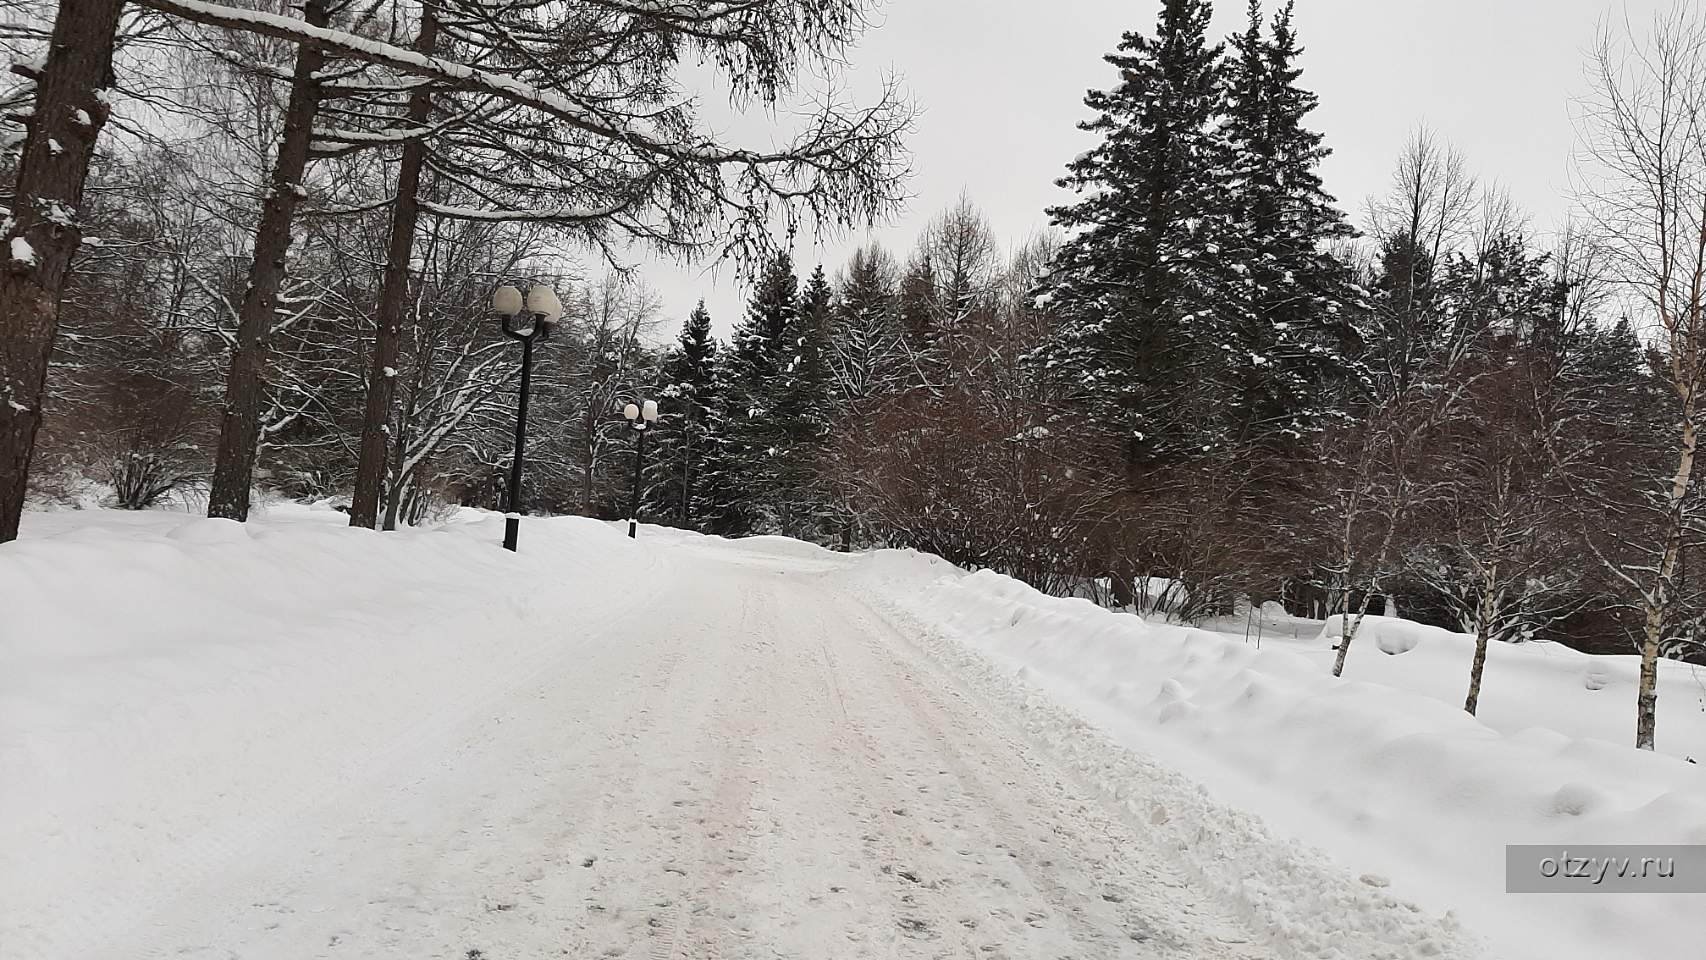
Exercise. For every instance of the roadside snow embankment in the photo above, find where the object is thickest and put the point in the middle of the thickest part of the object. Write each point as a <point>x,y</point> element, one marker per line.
<point>170,685</point>
<point>1525,685</point>
<point>1399,785</point>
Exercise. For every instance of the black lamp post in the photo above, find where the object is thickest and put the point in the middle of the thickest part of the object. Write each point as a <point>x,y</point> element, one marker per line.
<point>641,416</point>
<point>525,320</point>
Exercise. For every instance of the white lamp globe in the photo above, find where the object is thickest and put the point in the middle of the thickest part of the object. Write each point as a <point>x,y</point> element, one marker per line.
<point>630,411</point>
<point>650,410</point>
<point>506,300</point>
<point>542,300</point>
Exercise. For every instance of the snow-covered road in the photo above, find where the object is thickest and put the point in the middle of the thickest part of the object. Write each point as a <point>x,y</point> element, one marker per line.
<point>764,768</point>
<point>719,750</point>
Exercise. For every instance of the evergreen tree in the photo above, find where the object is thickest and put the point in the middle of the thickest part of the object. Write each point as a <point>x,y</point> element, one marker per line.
<point>918,316</point>
<point>1134,282</point>
<point>1290,299</point>
<point>867,359</point>
<point>687,394</point>
<point>803,414</point>
<point>747,426</point>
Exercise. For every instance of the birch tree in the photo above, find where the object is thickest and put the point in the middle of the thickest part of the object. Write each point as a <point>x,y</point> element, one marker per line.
<point>1646,186</point>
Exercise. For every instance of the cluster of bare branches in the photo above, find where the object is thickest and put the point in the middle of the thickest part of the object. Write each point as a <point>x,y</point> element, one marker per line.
<point>566,125</point>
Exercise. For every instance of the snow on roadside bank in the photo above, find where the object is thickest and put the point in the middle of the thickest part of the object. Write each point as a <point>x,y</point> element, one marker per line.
<point>1401,786</point>
<point>1526,684</point>
<point>232,643</point>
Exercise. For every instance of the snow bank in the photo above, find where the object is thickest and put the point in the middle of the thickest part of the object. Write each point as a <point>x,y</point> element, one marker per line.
<point>167,681</point>
<point>1525,685</point>
<point>1395,784</point>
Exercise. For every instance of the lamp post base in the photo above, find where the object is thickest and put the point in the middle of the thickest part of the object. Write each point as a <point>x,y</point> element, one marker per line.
<point>512,530</point>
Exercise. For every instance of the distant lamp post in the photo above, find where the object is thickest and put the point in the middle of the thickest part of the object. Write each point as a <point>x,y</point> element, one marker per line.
<point>525,320</point>
<point>641,416</point>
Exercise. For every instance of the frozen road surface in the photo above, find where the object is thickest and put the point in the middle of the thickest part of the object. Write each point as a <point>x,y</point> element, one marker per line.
<point>685,750</point>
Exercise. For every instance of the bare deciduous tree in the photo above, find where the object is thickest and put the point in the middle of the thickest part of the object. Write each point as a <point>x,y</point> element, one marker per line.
<point>1647,190</point>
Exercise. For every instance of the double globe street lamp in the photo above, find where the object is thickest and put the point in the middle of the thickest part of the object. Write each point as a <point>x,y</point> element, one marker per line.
<point>525,319</point>
<point>641,416</point>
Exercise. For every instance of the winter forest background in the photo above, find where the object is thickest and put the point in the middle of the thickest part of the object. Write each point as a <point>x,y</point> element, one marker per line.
<point>1207,384</point>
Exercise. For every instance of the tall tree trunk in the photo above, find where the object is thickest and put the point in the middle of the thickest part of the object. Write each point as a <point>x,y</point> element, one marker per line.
<point>239,435</point>
<point>393,292</point>
<point>42,234</point>
<point>1657,601</point>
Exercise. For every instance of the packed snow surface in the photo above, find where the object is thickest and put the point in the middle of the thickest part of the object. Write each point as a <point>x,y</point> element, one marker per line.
<point>287,739</point>
<point>290,739</point>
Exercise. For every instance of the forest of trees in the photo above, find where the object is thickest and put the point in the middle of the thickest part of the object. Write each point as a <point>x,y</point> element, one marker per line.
<point>1207,385</point>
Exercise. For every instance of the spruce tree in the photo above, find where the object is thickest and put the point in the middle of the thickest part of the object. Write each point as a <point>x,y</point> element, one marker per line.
<point>867,358</point>
<point>687,393</point>
<point>868,370</point>
<point>1289,300</point>
<point>1135,280</point>
<point>747,426</point>
<point>803,414</point>
<point>918,316</point>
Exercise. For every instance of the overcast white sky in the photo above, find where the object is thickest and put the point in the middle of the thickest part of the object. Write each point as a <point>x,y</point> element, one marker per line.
<point>1001,82</point>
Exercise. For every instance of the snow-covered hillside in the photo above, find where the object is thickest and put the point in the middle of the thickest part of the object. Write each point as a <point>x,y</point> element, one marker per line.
<point>289,739</point>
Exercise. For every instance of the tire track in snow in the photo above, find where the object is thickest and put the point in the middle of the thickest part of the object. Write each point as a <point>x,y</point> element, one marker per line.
<point>1299,900</point>
<point>1010,794</point>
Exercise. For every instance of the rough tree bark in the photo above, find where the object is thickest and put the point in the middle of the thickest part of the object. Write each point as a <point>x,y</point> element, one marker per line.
<point>42,233</point>
<point>393,292</point>
<point>240,431</point>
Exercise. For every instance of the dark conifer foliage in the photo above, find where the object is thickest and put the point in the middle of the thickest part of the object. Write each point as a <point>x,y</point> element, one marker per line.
<point>1136,275</point>
<point>803,412</point>
<point>750,429</point>
<point>867,345</point>
<point>1291,301</point>
<point>681,478</point>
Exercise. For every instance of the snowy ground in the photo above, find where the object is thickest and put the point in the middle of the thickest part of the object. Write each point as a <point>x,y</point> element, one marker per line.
<point>1382,770</point>
<point>289,739</point>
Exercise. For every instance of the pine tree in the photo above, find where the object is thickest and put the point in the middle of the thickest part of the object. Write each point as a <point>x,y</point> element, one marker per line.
<point>678,488</point>
<point>1133,283</point>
